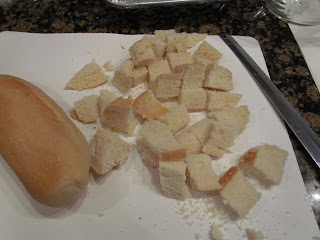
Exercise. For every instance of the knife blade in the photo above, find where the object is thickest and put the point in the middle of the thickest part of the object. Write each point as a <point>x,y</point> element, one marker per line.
<point>300,128</point>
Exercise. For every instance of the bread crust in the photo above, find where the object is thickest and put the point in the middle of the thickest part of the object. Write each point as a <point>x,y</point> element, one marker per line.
<point>47,152</point>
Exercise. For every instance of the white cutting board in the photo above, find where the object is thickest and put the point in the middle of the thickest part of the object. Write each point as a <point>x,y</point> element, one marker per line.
<point>127,203</point>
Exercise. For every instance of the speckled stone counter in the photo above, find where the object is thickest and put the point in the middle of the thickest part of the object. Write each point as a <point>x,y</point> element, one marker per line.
<point>285,62</point>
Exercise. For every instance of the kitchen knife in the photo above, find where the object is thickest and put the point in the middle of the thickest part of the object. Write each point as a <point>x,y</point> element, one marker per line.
<point>300,128</point>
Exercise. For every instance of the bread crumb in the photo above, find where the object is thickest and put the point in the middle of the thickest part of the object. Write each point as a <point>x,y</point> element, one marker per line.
<point>100,214</point>
<point>122,46</point>
<point>216,233</point>
<point>108,66</point>
<point>197,236</point>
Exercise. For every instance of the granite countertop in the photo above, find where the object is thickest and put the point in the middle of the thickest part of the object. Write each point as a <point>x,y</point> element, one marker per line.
<point>285,62</point>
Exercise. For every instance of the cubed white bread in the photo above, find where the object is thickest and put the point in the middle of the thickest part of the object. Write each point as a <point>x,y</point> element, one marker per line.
<point>206,54</point>
<point>108,150</point>
<point>148,156</point>
<point>148,106</point>
<point>87,109</point>
<point>222,136</point>
<point>167,85</point>
<point>118,116</point>
<point>237,116</point>
<point>89,76</point>
<point>146,50</point>
<point>176,118</point>
<point>238,191</point>
<point>200,173</point>
<point>176,59</point>
<point>173,179</point>
<point>195,38</point>
<point>254,235</point>
<point>265,163</point>
<point>160,140</point>
<point>190,141</point>
<point>108,66</point>
<point>123,78</point>
<point>193,75</point>
<point>177,43</point>
<point>201,130</point>
<point>140,75</point>
<point>162,34</point>
<point>156,68</point>
<point>218,101</point>
<point>218,77</point>
<point>105,98</point>
<point>194,99</point>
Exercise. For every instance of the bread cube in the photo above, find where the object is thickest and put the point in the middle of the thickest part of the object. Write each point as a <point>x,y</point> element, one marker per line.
<point>254,235</point>
<point>146,50</point>
<point>106,97</point>
<point>195,38</point>
<point>162,34</point>
<point>236,116</point>
<point>238,191</point>
<point>200,173</point>
<point>221,138</point>
<point>159,139</point>
<point>87,109</point>
<point>123,78</point>
<point>190,141</point>
<point>177,43</point>
<point>156,68</point>
<point>218,77</point>
<point>193,75</point>
<point>118,116</point>
<point>140,75</point>
<point>167,85</point>
<point>218,101</point>
<point>148,156</point>
<point>89,76</point>
<point>173,179</point>
<point>265,163</point>
<point>176,118</point>
<point>201,130</point>
<point>206,54</point>
<point>108,150</point>
<point>194,99</point>
<point>148,106</point>
<point>176,59</point>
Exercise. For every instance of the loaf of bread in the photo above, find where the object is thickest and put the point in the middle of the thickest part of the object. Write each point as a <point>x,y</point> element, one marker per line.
<point>40,143</point>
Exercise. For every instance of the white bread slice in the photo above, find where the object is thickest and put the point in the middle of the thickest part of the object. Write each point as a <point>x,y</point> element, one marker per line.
<point>193,75</point>
<point>265,163</point>
<point>238,191</point>
<point>118,116</point>
<point>146,50</point>
<point>123,78</point>
<point>195,38</point>
<point>87,109</point>
<point>160,140</point>
<point>222,100</point>
<point>105,98</point>
<point>108,150</point>
<point>176,59</point>
<point>221,138</point>
<point>140,75</point>
<point>254,235</point>
<point>200,173</point>
<point>237,116</point>
<point>108,66</point>
<point>176,118</point>
<point>89,76</point>
<point>194,99</point>
<point>190,141</point>
<point>218,77</point>
<point>177,43</point>
<point>167,85</point>
<point>206,54</point>
<point>173,179</point>
<point>162,34</point>
<point>201,130</point>
<point>148,106</point>
<point>156,68</point>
